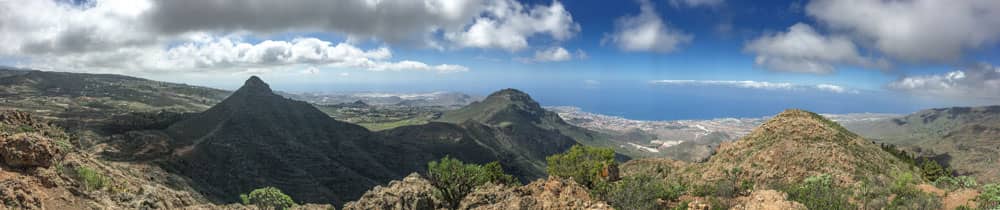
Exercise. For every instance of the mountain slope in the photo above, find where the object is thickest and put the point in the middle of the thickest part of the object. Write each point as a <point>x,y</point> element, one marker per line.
<point>966,139</point>
<point>256,138</point>
<point>786,149</point>
<point>78,100</point>
<point>509,119</point>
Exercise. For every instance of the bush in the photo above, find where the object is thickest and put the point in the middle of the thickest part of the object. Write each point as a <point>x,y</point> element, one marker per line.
<point>952,183</point>
<point>818,192</point>
<point>639,192</point>
<point>268,198</point>
<point>909,197</point>
<point>453,180</point>
<point>583,164</point>
<point>91,179</point>
<point>932,170</point>
<point>989,198</point>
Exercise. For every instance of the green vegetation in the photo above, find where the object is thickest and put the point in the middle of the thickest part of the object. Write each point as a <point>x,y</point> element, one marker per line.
<point>989,197</point>
<point>952,183</point>
<point>638,192</point>
<point>909,197</point>
<point>91,179</point>
<point>453,180</point>
<point>268,198</point>
<point>932,170</point>
<point>818,192</point>
<point>378,126</point>
<point>584,164</point>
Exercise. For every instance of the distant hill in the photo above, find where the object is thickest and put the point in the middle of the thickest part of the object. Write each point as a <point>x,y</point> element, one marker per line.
<point>77,99</point>
<point>786,149</point>
<point>514,110</point>
<point>257,138</point>
<point>967,139</point>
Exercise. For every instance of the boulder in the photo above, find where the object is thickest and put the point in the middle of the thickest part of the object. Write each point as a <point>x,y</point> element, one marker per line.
<point>412,193</point>
<point>28,150</point>
<point>768,200</point>
<point>551,193</point>
<point>16,194</point>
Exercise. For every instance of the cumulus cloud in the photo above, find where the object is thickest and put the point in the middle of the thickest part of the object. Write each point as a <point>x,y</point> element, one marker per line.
<point>52,28</point>
<point>232,54</point>
<point>981,81</point>
<point>755,85</point>
<point>834,88</point>
<point>142,36</point>
<point>696,3</point>
<point>553,54</point>
<point>646,31</point>
<point>802,49</point>
<point>508,24</point>
<point>915,30</point>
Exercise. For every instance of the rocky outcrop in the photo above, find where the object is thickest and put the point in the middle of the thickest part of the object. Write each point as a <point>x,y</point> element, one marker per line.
<point>416,193</point>
<point>768,200</point>
<point>551,193</point>
<point>413,192</point>
<point>28,150</point>
<point>16,194</point>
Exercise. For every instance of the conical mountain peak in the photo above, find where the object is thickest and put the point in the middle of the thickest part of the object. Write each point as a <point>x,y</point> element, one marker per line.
<point>255,85</point>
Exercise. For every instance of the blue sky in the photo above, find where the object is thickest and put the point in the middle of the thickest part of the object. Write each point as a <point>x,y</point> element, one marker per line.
<point>877,56</point>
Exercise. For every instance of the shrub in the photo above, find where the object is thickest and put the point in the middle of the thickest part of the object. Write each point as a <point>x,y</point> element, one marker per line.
<point>268,198</point>
<point>453,180</point>
<point>909,197</point>
<point>989,197</point>
<point>952,183</point>
<point>818,192</point>
<point>91,179</point>
<point>583,164</point>
<point>932,170</point>
<point>638,192</point>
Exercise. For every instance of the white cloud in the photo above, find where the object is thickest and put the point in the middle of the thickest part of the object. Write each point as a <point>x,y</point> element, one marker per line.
<point>646,32</point>
<point>732,83</point>
<point>553,54</point>
<point>508,25</point>
<point>580,54</point>
<point>206,53</point>
<point>756,85</point>
<point>914,30</point>
<point>310,70</point>
<point>981,81</point>
<point>834,88</point>
<point>802,49</point>
<point>142,36</point>
<point>696,3</point>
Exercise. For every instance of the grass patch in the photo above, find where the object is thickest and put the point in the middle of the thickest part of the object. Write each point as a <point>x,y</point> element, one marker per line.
<point>91,179</point>
<point>390,125</point>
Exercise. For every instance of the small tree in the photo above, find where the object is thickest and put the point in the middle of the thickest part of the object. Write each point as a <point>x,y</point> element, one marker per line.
<point>268,198</point>
<point>990,197</point>
<point>818,192</point>
<point>453,180</point>
<point>639,192</point>
<point>583,164</point>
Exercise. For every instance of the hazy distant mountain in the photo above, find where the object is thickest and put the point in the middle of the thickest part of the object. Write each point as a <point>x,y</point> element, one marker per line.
<point>965,138</point>
<point>445,99</point>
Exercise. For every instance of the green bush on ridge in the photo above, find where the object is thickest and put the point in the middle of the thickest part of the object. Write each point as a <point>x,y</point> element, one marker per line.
<point>453,180</point>
<point>583,164</point>
<point>268,198</point>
